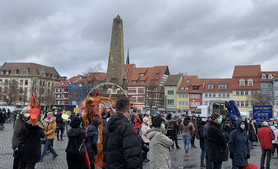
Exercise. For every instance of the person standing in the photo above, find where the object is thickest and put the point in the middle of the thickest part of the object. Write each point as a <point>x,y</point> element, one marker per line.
<point>251,133</point>
<point>92,140</point>
<point>29,144</point>
<point>19,122</point>
<point>187,130</point>
<point>265,136</point>
<point>217,142</point>
<point>159,144</point>
<point>202,144</point>
<point>49,126</point>
<point>144,130</point>
<point>121,145</point>
<point>137,122</point>
<point>205,135</point>
<point>60,127</point>
<point>2,118</point>
<point>274,128</point>
<point>76,148</point>
<point>239,146</point>
<point>194,121</point>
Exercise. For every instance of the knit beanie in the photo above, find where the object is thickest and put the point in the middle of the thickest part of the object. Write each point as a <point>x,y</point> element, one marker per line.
<point>75,122</point>
<point>214,116</point>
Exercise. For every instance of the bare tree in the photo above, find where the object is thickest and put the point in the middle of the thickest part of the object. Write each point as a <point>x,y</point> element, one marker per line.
<point>260,99</point>
<point>154,96</point>
<point>10,93</point>
<point>92,74</point>
<point>50,97</point>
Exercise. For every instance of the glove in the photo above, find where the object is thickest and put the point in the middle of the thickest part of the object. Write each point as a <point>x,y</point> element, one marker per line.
<point>231,155</point>
<point>248,156</point>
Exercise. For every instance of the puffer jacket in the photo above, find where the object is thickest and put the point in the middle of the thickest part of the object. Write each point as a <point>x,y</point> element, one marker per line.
<point>122,148</point>
<point>217,143</point>
<point>266,136</point>
<point>91,141</point>
<point>238,145</point>
<point>159,149</point>
<point>49,128</point>
<point>275,131</point>
<point>144,130</point>
<point>76,143</point>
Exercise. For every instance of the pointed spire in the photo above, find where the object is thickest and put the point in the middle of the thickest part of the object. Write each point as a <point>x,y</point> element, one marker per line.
<point>127,58</point>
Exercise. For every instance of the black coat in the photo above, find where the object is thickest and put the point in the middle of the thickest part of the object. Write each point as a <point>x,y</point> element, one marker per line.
<point>30,143</point>
<point>217,143</point>
<point>2,116</point>
<point>201,134</point>
<point>121,145</point>
<point>60,122</point>
<point>91,141</point>
<point>251,132</point>
<point>76,138</point>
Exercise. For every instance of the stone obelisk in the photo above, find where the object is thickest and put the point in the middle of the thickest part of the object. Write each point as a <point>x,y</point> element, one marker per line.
<point>115,69</point>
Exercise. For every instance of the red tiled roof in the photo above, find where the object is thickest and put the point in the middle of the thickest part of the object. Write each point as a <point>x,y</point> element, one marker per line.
<point>215,83</point>
<point>247,71</point>
<point>76,79</point>
<point>62,83</point>
<point>128,70</point>
<point>32,68</point>
<point>93,77</point>
<point>185,83</point>
<point>273,73</point>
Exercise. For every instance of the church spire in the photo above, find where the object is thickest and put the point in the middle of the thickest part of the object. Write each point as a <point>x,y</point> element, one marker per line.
<point>127,57</point>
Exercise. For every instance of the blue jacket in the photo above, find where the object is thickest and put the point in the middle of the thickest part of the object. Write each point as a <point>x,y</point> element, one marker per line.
<point>91,141</point>
<point>238,145</point>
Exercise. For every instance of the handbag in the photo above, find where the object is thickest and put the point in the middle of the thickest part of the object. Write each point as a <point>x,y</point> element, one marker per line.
<point>43,140</point>
<point>251,166</point>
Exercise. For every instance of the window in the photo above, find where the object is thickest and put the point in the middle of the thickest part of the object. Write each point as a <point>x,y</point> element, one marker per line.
<point>7,72</point>
<point>170,92</point>
<point>276,84</point>
<point>0,81</point>
<point>133,99</point>
<point>246,104</point>
<point>142,81</point>
<point>26,82</point>
<point>269,76</point>
<point>250,82</point>
<point>182,103</point>
<point>142,74</point>
<point>24,72</point>
<point>35,82</point>
<point>276,93</point>
<point>241,82</point>
<point>21,82</point>
<point>2,72</point>
<point>253,92</point>
<point>141,90</point>
<point>246,92</point>
<point>242,92</point>
<point>183,96</point>
<point>170,102</point>
<point>263,76</point>
<point>210,86</point>
<point>237,92</point>
<point>195,87</point>
<point>206,95</point>
<point>213,95</point>
<point>222,86</point>
<point>188,80</point>
<point>186,88</point>
<point>228,95</point>
<point>133,81</point>
<point>140,99</point>
<point>242,103</point>
<point>194,104</point>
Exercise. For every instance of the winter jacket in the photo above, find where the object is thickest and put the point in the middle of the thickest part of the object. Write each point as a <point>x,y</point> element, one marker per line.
<point>187,128</point>
<point>30,143</point>
<point>49,128</point>
<point>91,142</point>
<point>275,131</point>
<point>2,116</point>
<point>201,134</point>
<point>238,145</point>
<point>251,132</point>
<point>19,122</point>
<point>121,145</point>
<point>265,136</point>
<point>144,130</point>
<point>137,122</point>
<point>217,143</point>
<point>76,143</point>
<point>205,135</point>
<point>60,122</point>
<point>159,149</point>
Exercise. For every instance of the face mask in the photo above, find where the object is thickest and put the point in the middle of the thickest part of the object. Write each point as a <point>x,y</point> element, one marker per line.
<point>48,117</point>
<point>275,125</point>
<point>163,127</point>
<point>26,115</point>
<point>219,121</point>
<point>242,126</point>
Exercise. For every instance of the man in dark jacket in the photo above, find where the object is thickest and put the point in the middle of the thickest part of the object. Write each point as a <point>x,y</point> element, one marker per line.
<point>205,135</point>
<point>76,148</point>
<point>202,144</point>
<point>239,146</point>
<point>121,145</point>
<point>217,142</point>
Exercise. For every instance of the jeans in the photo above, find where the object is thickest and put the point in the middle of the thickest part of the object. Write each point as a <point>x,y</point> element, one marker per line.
<point>217,164</point>
<point>268,154</point>
<point>186,141</point>
<point>208,162</point>
<point>275,146</point>
<point>62,132</point>
<point>203,153</point>
<point>46,146</point>
<point>1,125</point>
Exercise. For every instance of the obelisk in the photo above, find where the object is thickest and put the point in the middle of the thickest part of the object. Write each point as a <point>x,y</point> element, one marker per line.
<point>115,69</point>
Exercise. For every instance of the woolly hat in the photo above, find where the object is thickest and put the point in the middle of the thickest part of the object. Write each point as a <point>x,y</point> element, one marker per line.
<point>75,122</point>
<point>214,116</point>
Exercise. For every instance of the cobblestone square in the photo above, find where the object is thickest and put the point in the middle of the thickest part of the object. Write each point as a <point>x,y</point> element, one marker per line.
<point>178,160</point>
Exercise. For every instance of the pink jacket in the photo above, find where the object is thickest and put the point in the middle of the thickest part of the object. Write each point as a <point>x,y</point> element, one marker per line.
<point>144,130</point>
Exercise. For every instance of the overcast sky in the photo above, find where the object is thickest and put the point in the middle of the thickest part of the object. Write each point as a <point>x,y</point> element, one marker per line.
<point>206,38</point>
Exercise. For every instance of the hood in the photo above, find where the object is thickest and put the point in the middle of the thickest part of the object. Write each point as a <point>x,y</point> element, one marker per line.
<point>186,122</point>
<point>151,133</point>
<point>238,125</point>
<point>74,132</point>
<point>115,120</point>
<point>145,120</point>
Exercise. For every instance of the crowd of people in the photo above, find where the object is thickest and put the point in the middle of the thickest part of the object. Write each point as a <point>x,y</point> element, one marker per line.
<point>131,139</point>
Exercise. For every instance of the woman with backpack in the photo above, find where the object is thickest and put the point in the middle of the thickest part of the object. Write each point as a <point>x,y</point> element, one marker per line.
<point>76,149</point>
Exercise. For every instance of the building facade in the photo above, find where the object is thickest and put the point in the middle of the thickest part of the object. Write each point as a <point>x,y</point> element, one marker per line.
<point>29,78</point>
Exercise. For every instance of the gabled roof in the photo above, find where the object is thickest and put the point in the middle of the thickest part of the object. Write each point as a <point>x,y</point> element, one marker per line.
<point>173,80</point>
<point>32,68</point>
<point>76,79</point>
<point>92,77</point>
<point>273,73</point>
<point>62,83</point>
<point>247,71</point>
<point>185,83</point>
<point>149,75</point>
<point>215,83</point>
<point>128,70</point>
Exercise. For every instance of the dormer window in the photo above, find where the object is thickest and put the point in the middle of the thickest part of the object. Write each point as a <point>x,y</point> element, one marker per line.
<point>188,80</point>
<point>269,76</point>
<point>222,86</point>
<point>210,86</point>
<point>133,81</point>
<point>241,82</point>
<point>142,81</point>
<point>2,72</point>
<point>250,82</point>
<point>182,88</point>
<point>263,76</point>
<point>7,72</point>
<point>24,72</point>
<point>186,88</point>
<point>142,74</point>
<point>195,87</point>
